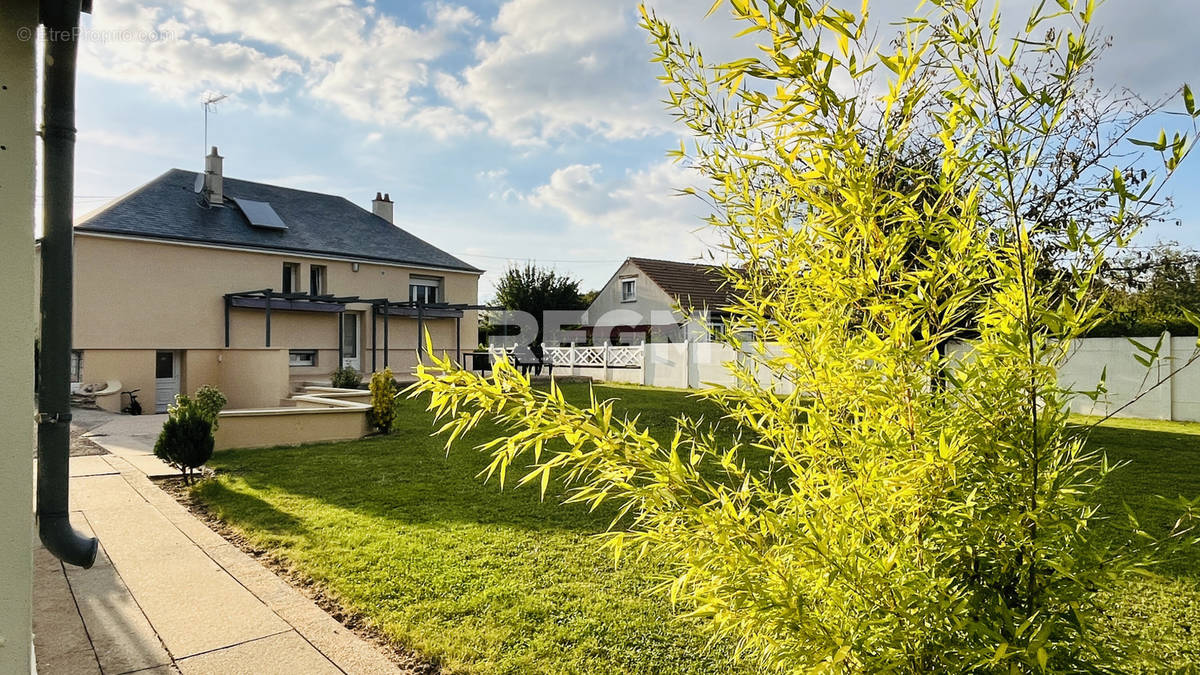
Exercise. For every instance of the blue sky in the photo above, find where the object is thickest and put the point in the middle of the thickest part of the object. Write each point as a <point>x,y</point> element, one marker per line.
<point>504,130</point>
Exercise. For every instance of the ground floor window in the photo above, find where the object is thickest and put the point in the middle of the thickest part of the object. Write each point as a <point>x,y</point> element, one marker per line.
<point>299,358</point>
<point>77,366</point>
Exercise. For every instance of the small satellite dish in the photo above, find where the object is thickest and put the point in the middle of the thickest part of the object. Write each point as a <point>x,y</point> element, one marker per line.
<point>199,183</point>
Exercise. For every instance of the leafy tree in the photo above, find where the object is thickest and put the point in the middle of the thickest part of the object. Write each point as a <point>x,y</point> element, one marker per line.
<point>1151,291</point>
<point>586,299</point>
<point>535,290</point>
<point>867,521</point>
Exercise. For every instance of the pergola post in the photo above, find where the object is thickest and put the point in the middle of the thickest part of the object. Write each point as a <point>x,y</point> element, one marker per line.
<point>420,331</point>
<point>341,338</point>
<point>386,322</point>
<point>228,304</point>
<point>374,336</point>
<point>268,313</point>
<point>458,341</point>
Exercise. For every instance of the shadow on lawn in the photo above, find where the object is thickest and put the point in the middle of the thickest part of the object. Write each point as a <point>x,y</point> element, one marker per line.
<point>253,513</point>
<point>409,478</point>
<point>388,478</point>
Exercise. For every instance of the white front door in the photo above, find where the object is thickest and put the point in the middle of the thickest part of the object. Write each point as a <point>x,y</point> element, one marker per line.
<point>166,379</point>
<point>350,356</point>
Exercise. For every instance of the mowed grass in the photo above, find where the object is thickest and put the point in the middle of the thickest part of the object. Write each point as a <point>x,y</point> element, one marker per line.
<point>477,579</point>
<point>1163,462</point>
<point>483,580</point>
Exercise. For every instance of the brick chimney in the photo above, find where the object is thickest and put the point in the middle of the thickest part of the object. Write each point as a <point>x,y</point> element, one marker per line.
<point>213,182</point>
<point>382,206</point>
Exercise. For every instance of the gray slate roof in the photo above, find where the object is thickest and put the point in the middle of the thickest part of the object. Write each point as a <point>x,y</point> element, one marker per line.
<point>168,207</point>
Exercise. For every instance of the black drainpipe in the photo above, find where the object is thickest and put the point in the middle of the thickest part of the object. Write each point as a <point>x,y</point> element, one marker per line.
<point>61,19</point>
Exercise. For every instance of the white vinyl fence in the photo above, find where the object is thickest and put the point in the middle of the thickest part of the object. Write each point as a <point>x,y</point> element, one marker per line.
<point>692,365</point>
<point>685,365</point>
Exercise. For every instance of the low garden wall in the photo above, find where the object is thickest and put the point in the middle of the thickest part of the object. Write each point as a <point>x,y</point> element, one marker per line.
<point>321,414</point>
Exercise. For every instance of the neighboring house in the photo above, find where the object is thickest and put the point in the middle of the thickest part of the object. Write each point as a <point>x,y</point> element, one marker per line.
<point>170,281</point>
<point>659,299</point>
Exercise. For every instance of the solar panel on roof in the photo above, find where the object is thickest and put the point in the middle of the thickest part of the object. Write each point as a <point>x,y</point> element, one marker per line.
<point>260,214</point>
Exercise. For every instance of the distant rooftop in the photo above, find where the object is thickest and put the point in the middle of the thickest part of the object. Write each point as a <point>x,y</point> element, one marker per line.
<point>169,207</point>
<point>691,284</point>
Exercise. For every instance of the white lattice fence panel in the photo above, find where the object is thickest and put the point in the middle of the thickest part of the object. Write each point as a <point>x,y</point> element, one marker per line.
<point>625,357</point>
<point>558,356</point>
<point>589,356</point>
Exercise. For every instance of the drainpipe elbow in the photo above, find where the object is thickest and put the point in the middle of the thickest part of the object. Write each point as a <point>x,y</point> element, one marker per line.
<point>64,542</point>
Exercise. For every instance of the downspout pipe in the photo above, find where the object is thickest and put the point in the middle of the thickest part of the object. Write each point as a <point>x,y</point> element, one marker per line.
<point>61,19</point>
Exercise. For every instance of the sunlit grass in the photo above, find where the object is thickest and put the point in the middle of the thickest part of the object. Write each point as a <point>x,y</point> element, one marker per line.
<point>496,581</point>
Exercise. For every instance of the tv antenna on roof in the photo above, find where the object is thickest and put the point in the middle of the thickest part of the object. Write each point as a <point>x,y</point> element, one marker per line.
<point>209,103</point>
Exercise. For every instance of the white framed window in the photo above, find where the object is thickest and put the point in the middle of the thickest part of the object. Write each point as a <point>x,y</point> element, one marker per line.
<point>427,290</point>
<point>76,366</point>
<point>317,280</point>
<point>718,326</point>
<point>291,277</point>
<point>629,290</point>
<point>302,358</point>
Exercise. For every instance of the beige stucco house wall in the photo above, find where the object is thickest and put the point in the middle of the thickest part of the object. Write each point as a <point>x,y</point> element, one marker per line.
<point>136,297</point>
<point>17,303</point>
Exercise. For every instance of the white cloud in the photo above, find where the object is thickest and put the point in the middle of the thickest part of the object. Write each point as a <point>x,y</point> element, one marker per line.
<point>560,67</point>
<point>370,67</point>
<point>179,64</point>
<point>639,213</point>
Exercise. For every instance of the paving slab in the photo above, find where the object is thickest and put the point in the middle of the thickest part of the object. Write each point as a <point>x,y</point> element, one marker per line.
<point>132,438</point>
<point>90,465</point>
<point>167,594</point>
<point>289,654</point>
<point>336,641</point>
<point>60,640</point>
<point>152,466</point>
<point>194,605</point>
<point>121,635</point>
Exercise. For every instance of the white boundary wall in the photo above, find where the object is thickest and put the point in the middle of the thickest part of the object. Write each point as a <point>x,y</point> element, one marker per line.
<point>693,365</point>
<point>1176,398</point>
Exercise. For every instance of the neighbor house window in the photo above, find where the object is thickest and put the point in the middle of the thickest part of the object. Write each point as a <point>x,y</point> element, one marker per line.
<point>300,358</point>
<point>77,366</point>
<point>317,281</point>
<point>628,290</point>
<point>717,325</point>
<point>427,290</point>
<point>291,278</point>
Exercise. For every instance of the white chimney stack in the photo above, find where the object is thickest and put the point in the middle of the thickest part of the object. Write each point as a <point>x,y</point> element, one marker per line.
<point>382,206</point>
<point>213,187</point>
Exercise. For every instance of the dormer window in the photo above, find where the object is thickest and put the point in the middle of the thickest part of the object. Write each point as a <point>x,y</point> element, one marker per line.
<point>629,290</point>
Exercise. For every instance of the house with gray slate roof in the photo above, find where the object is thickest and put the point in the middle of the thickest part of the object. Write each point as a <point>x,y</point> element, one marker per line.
<point>197,278</point>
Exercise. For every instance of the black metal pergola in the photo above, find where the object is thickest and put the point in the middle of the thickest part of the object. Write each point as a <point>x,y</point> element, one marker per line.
<point>269,299</point>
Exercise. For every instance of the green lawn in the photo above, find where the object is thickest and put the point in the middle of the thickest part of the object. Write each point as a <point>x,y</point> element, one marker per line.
<point>479,579</point>
<point>491,581</point>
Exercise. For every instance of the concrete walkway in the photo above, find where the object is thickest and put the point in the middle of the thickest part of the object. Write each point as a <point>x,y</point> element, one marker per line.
<point>167,594</point>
